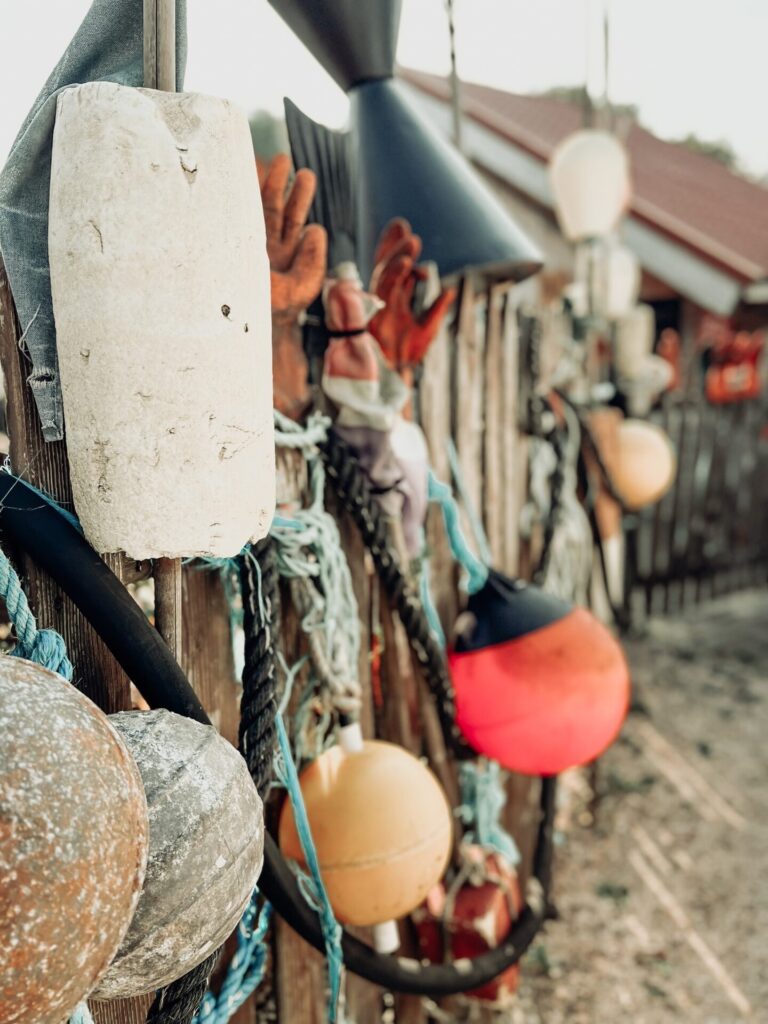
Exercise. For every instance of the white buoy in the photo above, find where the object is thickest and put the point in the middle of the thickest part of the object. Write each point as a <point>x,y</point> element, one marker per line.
<point>160,284</point>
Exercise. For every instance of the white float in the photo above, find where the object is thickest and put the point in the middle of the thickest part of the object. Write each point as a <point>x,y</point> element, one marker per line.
<point>160,284</point>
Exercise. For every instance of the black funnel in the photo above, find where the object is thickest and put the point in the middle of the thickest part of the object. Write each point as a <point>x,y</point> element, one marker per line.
<point>327,153</point>
<point>405,168</point>
<point>354,40</point>
<point>400,165</point>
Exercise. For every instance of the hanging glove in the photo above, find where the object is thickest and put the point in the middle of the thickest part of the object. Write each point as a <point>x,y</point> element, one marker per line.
<point>403,335</point>
<point>297,260</point>
<point>297,251</point>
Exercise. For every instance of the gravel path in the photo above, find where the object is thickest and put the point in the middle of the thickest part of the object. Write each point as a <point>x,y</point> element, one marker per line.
<point>661,880</point>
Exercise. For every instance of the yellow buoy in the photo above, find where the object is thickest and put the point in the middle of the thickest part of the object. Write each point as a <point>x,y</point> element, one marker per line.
<point>381,826</point>
<point>645,465</point>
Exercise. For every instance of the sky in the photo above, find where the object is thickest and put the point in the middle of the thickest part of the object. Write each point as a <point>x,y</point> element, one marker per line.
<point>689,65</point>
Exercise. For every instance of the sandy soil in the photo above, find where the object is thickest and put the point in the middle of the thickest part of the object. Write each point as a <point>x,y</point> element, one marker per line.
<point>661,883</point>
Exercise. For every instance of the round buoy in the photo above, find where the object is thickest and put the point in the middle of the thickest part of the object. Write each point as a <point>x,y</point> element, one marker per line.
<point>646,463</point>
<point>540,685</point>
<point>381,826</point>
<point>73,844</point>
<point>205,852</point>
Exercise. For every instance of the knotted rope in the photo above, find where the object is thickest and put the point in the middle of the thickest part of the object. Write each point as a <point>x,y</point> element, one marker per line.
<point>311,885</point>
<point>482,801</point>
<point>565,565</point>
<point>312,558</point>
<point>246,968</point>
<point>260,728</point>
<point>43,646</point>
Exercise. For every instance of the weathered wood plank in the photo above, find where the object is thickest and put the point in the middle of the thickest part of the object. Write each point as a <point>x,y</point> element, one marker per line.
<point>45,465</point>
<point>494,497</point>
<point>468,417</point>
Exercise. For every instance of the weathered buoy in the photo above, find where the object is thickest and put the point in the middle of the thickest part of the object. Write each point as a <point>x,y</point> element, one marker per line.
<point>205,853</point>
<point>381,826</point>
<point>73,844</point>
<point>645,466</point>
<point>540,685</point>
<point>160,285</point>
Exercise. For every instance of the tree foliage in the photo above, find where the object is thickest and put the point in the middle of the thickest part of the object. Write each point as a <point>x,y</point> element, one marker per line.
<point>269,134</point>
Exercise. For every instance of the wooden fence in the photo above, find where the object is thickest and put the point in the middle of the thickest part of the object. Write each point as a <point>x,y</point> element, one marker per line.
<point>467,391</point>
<point>709,534</point>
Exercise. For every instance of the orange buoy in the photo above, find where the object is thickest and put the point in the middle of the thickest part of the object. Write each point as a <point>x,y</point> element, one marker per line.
<point>73,844</point>
<point>206,838</point>
<point>645,466</point>
<point>540,685</point>
<point>381,826</point>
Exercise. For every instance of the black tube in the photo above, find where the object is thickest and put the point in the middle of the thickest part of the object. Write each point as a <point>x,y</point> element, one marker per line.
<point>396,973</point>
<point>57,547</point>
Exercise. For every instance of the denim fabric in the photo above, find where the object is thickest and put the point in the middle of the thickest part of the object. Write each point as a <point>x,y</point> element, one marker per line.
<point>108,46</point>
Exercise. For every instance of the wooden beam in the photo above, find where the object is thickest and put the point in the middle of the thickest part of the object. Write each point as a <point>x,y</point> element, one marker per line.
<point>160,45</point>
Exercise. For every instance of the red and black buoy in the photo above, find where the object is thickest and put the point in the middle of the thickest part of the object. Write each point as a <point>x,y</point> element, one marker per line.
<point>540,685</point>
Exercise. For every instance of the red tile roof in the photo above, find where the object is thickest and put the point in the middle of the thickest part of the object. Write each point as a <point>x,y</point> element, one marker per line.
<point>686,195</point>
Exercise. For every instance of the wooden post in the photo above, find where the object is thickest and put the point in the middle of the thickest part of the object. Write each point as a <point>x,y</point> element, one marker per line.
<point>160,45</point>
<point>160,73</point>
<point>45,465</point>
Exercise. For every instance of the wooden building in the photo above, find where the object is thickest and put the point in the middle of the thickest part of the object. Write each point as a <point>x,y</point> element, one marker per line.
<point>699,230</point>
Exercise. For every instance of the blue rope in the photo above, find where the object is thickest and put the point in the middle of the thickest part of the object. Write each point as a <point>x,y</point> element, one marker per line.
<point>474,520</point>
<point>43,646</point>
<point>246,968</point>
<point>311,886</point>
<point>476,570</point>
<point>482,801</point>
<point>428,604</point>
<point>81,1014</point>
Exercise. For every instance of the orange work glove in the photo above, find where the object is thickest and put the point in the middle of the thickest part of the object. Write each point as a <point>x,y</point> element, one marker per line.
<point>297,252</point>
<point>404,337</point>
<point>297,258</point>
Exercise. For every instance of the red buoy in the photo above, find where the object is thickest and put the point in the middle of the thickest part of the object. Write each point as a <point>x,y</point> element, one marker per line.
<point>469,921</point>
<point>540,685</point>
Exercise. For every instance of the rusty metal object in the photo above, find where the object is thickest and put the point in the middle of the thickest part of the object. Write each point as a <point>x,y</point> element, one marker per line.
<point>73,844</point>
<point>471,916</point>
<point>206,848</point>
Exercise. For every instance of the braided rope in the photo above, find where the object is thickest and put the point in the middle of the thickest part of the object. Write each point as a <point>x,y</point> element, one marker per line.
<point>354,492</point>
<point>258,736</point>
<point>43,646</point>
<point>189,998</point>
<point>178,1002</point>
<point>246,969</point>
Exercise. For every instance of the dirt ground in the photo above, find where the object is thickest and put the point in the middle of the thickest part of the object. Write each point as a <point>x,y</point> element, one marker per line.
<point>661,880</point>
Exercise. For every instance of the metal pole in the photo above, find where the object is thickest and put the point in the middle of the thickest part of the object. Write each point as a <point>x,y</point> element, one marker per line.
<point>160,45</point>
<point>160,73</point>
<point>455,84</point>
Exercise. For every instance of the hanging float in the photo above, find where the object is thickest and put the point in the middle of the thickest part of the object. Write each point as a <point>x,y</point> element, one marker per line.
<point>206,839</point>
<point>73,843</point>
<point>399,164</point>
<point>151,268</point>
<point>540,686</point>
<point>645,464</point>
<point>381,826</point>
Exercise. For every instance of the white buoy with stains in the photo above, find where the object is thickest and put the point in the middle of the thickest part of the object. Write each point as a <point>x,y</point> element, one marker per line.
<point>161,297</point>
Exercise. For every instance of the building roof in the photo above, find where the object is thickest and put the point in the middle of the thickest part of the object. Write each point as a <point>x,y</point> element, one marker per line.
<point>686,195</point>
